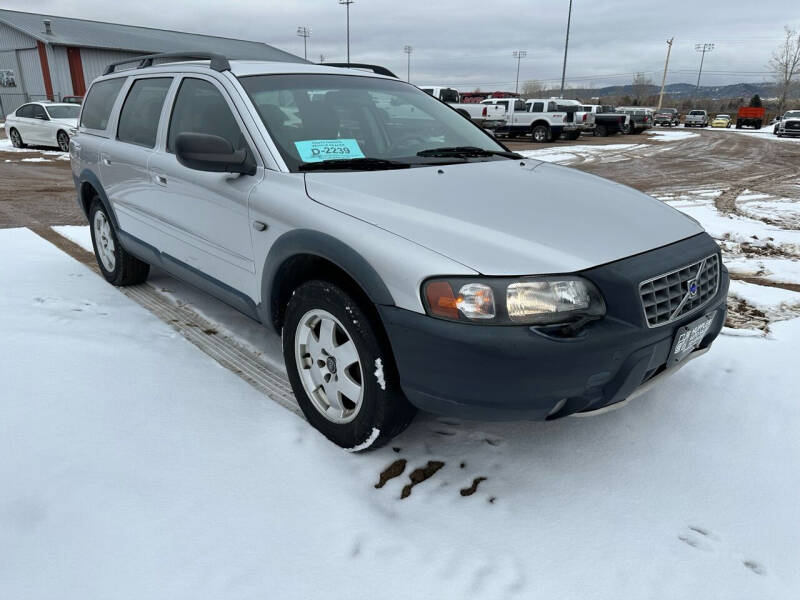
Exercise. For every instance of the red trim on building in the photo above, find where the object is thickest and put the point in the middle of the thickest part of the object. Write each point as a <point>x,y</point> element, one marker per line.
<point>76,71</point>
<point>48,85</point>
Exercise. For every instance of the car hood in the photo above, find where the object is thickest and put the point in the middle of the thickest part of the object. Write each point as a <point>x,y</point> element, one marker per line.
<point>70,122</point>
<point>507,217</point>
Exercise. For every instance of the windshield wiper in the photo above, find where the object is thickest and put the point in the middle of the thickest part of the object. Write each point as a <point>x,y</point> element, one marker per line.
<point>357,164</point>
<point>467,152</point>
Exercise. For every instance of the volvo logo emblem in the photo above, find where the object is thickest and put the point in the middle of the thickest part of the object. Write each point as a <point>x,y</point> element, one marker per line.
<point>692,288</point>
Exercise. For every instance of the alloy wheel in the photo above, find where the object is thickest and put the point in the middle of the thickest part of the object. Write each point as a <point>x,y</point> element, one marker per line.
<point>329,366</point>
<point>104,242</point>
<point>63,141</point>
<point>16,140</point>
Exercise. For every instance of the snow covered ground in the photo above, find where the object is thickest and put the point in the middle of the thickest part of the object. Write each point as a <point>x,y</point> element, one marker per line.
<point>568,154</point>
<point>7,146</point>
<point>136,467</point>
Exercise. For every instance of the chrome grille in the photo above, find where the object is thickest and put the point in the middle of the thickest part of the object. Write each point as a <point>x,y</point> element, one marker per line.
<point>669,296</point>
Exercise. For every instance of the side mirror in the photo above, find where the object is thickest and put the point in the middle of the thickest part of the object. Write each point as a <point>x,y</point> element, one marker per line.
<point>203,152</point>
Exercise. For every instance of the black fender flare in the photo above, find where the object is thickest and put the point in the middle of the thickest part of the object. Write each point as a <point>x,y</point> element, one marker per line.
<point>315,243</point>
<point>88,176</point>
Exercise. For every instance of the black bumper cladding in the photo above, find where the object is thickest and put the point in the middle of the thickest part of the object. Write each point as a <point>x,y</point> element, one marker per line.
<point>521,372</point>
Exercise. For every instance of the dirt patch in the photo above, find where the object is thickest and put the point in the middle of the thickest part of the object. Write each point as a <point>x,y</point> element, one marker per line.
<point>417,476</point>
<point>393,470</point>
<point>742,315</point>
<point>468,491</point>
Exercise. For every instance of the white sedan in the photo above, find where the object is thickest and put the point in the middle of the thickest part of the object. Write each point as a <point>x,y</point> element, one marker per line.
<point>43,124</point>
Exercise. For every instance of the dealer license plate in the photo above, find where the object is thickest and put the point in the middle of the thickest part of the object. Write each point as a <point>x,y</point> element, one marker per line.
<point>688,338</point>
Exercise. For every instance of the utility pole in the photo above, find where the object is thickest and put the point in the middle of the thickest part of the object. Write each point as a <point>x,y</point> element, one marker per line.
<point>701,48</point>
<point>566,47</point>
<point>305,33</point>
<point>664,79</point>
<point>408,50</point>
<point>347,3</point>
<point>519,55</point>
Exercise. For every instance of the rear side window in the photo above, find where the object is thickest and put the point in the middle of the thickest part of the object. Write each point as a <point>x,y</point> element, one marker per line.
<point>99,102</point>
<point>201,108</point>
<point>26,112</point>
<point>139,117</point>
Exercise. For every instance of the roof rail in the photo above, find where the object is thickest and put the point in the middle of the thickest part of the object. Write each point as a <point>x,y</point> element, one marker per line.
<point>218,61</point>
<point>377,69</point>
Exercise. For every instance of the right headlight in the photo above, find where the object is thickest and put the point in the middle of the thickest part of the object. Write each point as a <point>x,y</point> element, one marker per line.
<point>504,301</point>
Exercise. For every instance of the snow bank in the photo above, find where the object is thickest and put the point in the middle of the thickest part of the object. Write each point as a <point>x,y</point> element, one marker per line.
<point>670,135</point>
<point>136,467</point>
<point>567,154</point>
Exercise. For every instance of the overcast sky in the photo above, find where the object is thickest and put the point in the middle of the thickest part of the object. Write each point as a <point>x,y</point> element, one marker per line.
<point>469,43</point>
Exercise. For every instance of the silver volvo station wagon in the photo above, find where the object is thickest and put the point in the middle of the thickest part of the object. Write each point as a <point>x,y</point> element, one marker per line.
<point>407,258</point>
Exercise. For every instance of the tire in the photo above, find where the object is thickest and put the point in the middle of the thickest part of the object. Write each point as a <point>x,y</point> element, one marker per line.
<point>16,139</point>
<point>376,403</point>
<point>600,131</point>
<point>572,135</point>
<point>636,131</point>
<point>540,134</point>
<point>63,140</point>
<point>117,266</point>
<point>626,129</point>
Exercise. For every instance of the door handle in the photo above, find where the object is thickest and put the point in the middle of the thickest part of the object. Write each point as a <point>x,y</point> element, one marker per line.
<point>106,161</point>
<point>160,179</point>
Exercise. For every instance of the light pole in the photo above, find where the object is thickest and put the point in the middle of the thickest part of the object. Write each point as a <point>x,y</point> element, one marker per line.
<point>566,47</point>
<point>347,3</point>
<point>519,55</point>
<point>664,79</point>
<point>701,48</point>
<point>305,33</point>
<point>408,50</point>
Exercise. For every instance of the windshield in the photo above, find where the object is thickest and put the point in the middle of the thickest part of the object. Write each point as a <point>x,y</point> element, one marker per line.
<point>794,114</point>
<point>723,116</point>
<point>64,112</point>
<point>321,118</point>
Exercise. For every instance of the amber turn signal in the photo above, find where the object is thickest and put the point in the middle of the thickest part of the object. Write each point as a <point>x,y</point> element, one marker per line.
<point>441,300</point>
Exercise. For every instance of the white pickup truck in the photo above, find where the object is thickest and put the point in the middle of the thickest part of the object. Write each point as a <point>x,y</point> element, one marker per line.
<point>485,115</point>
<point>544,119</point>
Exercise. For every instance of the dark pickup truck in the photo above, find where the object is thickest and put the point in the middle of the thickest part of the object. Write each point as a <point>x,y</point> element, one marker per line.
<point>640,119</point>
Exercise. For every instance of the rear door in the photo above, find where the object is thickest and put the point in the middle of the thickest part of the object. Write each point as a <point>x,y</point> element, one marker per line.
<point>125,157</point>
<point>21,122</point>
<point>205,215</point>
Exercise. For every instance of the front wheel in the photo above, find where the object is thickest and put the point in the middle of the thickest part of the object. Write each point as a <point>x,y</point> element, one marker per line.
<point>341,368</point>
<point>63,141</point>
<point>601,131</point>
<point>117,266</point>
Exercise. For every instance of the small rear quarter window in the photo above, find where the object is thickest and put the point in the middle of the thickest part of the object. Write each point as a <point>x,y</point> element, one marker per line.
<point>99,102</point>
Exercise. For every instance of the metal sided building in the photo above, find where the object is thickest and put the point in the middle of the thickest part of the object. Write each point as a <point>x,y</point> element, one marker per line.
<point>44,57</point>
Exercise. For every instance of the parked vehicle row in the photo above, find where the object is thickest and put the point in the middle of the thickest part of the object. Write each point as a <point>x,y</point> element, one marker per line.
<point>348,211</point>
<point>486,115</point>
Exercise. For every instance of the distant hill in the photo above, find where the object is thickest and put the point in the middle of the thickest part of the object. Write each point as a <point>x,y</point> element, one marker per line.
<point>683,90</point>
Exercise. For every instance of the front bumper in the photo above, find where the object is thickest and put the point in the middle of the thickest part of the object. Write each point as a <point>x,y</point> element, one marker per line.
<point>519,372</point>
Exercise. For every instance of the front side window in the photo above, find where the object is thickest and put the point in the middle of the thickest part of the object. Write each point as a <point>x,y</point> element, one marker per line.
<point>314,118</point>
<point>141,112</point>
<point>99,102</point>
<point>64,112</point>
<point>200,108</point>
<point>538,107</point>
<point>37,112</point>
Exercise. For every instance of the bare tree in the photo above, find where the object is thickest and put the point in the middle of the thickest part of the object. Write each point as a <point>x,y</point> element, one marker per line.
<point>642,86</point>
<point>785,63</point>
<point>532,89</point>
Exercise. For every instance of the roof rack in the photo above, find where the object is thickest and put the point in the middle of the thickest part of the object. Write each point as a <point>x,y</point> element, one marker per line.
<point>217,61</point>
<point>377,69</point>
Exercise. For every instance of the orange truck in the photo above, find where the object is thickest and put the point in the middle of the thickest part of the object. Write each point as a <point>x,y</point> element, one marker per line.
<point>750,116</point>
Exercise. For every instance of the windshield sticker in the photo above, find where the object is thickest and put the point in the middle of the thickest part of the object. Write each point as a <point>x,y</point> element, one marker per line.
<point>318,150</point>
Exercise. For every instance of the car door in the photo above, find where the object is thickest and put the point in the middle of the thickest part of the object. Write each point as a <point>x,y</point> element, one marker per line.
<point>205,215</point>
<point>39,125</point>
<point>125,156</point>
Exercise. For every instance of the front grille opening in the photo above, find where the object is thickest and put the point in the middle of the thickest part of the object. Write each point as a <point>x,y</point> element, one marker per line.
<point>667,297</point>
